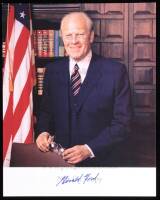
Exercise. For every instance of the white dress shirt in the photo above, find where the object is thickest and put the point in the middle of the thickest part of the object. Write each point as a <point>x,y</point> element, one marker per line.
<point>82,64</point>
<point>83,68</point>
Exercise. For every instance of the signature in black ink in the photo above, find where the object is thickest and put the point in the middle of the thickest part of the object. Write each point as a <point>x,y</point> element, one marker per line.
<point>83,178</point>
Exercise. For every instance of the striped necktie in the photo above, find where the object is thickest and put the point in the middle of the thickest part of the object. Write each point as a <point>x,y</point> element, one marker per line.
<point>75,81</point>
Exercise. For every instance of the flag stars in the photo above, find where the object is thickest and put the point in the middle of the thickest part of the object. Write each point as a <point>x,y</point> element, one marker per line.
<point>22,14</point>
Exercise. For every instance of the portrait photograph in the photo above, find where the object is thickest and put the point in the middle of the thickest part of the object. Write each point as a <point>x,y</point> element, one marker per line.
<point>79,99</point>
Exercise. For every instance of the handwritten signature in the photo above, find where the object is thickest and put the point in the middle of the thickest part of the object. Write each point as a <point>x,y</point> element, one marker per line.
<point>83,178</point>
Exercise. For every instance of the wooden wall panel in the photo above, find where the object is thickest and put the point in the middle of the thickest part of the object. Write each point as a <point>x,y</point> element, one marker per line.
<point>127,33</point>
<point>143,28</point>
<point>113,8</point>
<point>113,50</point>
<point>144,8</point>
<point>52,12</point>
<point>143,98</point>
<point>143,52</point>
<point>142,57</point>
<point>143,75</point>
<point>146,119</point>
<point>93,7</point>
<point>104,8</point>
<point>111,29</point>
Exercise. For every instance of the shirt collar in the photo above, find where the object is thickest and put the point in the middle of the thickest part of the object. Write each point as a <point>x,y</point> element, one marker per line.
<point>82,63</point>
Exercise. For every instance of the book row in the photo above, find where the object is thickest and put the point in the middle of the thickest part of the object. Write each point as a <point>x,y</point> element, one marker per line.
<point>48,43</point>
<point>40,72</point>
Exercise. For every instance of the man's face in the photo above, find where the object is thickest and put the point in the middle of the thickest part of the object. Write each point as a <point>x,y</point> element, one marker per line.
<point>77,37</point>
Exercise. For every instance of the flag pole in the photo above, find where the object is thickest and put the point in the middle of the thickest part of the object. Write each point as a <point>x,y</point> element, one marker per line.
<point>33,66</point>
<point>9,53</point>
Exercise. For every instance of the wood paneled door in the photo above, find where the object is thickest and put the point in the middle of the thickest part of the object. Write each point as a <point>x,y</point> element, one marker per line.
<point>127,33</point>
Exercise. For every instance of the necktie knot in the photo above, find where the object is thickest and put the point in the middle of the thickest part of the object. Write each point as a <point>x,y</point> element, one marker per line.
<point>76,67</point>
<point>75,81</point>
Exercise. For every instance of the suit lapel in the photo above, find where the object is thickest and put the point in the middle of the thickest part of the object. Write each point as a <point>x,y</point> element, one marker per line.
<point>90,81</point>
<point>62,82</point>
<point>63,73</point>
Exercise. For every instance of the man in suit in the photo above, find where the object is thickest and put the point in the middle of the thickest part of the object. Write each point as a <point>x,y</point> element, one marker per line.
<point>86,102</point>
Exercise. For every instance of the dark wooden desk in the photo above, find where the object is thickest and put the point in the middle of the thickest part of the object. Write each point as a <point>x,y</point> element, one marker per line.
<point>28,155</point>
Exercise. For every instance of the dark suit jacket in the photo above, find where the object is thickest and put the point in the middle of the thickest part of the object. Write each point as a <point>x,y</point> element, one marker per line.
<point>99,117</point>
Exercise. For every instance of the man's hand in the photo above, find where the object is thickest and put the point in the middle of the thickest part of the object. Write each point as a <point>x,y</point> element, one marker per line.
<point>76,154</point>
<point>43,141</point>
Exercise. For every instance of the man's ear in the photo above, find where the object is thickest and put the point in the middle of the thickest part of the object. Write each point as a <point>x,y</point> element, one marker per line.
<point>92,37</point>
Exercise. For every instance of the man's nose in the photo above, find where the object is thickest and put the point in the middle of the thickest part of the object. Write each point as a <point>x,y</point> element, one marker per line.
<point>74,39</point>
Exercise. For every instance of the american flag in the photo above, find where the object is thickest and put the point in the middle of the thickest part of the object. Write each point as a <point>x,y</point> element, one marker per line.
<point>18,79</point>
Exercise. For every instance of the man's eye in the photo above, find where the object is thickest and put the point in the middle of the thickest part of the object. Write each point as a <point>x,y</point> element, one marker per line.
<point>81,34</point>
<point>69,35</point>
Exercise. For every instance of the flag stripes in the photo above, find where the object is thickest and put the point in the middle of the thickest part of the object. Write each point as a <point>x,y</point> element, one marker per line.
<point>18,73</point>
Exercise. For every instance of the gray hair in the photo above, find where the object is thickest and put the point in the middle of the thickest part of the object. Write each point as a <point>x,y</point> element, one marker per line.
<point>83,14</point>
